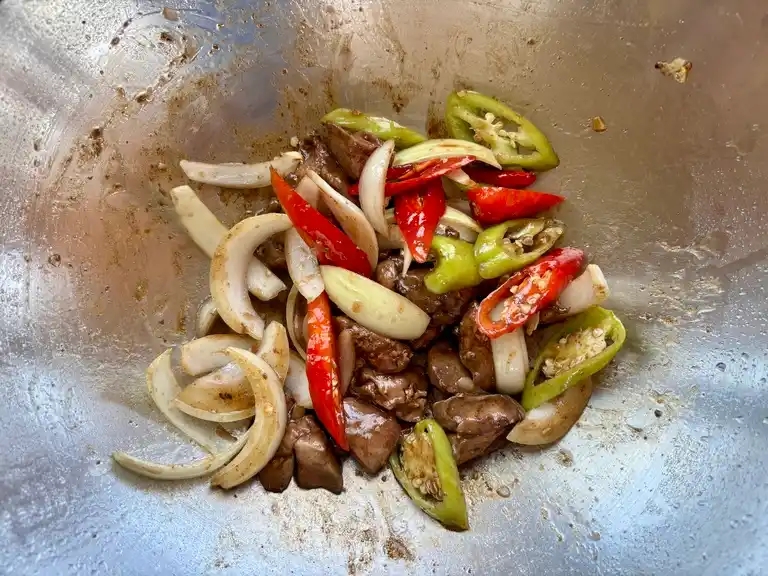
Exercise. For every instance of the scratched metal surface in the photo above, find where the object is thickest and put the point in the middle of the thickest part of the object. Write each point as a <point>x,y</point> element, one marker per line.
<point>98,278</point>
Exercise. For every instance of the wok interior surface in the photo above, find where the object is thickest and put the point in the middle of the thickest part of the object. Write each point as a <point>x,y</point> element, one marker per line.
<point>665,473</point>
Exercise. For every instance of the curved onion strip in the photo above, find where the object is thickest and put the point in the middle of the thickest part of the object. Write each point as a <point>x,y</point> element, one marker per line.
<point>552,420</point>
<point>230,264</point>
<point>274,349</point>
<point>224,391</point>
<point>461,205</point>
<point>351,219</point>
<point>202,355</point>
<point>407,259</point>
<point>296,383</point>
<point>240,175</point>
<point>194,469</point>
<point>373,178</point>
<point>206,317</point>
<point>346,360</point>
<point>207,232</point>
<point>211,416</point>
<point>309,191</point>
<point>445,148</point>
<point>266,432</point>
<point>290,321</point>
<point>510,361</point>
<point>163,388</point>
<point>460,177</point>
<point>588,290</point>
<point>372,305</point>
<point>303,266</point>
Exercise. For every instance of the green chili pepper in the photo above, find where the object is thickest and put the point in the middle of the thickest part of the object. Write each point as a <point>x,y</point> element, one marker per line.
<point>574,352</point>
<point>382,128</point>
<point>474,116</point>
<point>514,244</point>
<point>425,468</point>
<point>455,268</point>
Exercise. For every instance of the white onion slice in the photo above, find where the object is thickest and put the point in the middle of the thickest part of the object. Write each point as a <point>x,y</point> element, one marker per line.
<point>371,186</point>
<point>230,265</point>
<point>206,317</point>
<point>445,148</point>
<point>290,321</point>
<point>224,392</point>
<point>374,306</point>
<point>407,258</point>
<point>266,432</point>
<point>207,232</point>
<point>460,204</point>
<point>186,471</point>
<point>552,420</point>
<point>163,389</point>
<point>296,383</point>
<point>274,349</point>
<point>460,177</point>
<point>309,191</point>
<point>303,266</point>
<point>351,218</point>
<point>205,354</point>
<point>240,175</point>
<point>589,289</point>
<point>510,361</point>
<point>346,360</point>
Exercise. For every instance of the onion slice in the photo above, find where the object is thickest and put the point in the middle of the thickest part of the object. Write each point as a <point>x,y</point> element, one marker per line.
<point>274,349</point>
<point>303,266</point>
<point>373,179</point>
<point>224,395</point>
<point>266,432</point>
<point>510,361</point>
<point>163,388</point>
<point>290,321</point>
<point>206,317</point>
<point>552,420</point>
<point>374,306</point>
<point>240,175</point>
<point>187,471</point>
<point>309,191</point>
<point>202,355</point>
<point>445,148</point>
<point>230,265</point>
<point>297,383</point>
<point>347,360</point>
<point>589,289</point>
<point>407,259</point>
<point>351,218</point>
<point>207,232</point>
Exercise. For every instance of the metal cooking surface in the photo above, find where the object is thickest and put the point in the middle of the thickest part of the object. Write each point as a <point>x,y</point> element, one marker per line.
<point>98,277</point>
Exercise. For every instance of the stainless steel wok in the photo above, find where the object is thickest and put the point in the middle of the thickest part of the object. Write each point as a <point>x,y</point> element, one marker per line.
<point>666,473</point>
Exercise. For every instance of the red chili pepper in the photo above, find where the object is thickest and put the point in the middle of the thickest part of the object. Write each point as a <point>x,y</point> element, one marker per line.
<point>504,178</point>
<point>323,370</point>
<point>331,245</point>
<point>493,205</point>
<point>417,214</point>
<point>405,178</point>
<point>531,289</point>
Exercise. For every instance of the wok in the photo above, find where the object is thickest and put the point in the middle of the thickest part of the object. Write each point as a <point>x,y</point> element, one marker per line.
<point>666,473</point>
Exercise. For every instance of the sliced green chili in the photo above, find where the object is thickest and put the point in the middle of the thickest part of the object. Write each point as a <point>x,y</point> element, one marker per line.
<point>514,244</point>
<point>382,128</point>
<point>479,118</point>
<point>569,349</point>
<point>424,466</point>
<point>455,268</point>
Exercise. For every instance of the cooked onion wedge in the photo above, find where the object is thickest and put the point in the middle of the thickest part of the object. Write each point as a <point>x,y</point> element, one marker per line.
<point>351,219</point>
<point>240,175</point>
<point>230,265</point>
<point>373,179</point>
<point>303,266</point>
<point>589,289</point>
<point>205,354</point>
<point>163,388</point>
<point>552,420</point>
<point>194,469</point>
<point>309,191</point>
<point>407,259</point>
<point>510,361</point>
<point>274,349</point>
<point>224,395</point>
<point>206,317</point>
<point>296,383</point>
<point>207,232</point>
<point>266,433</point>
<point>445,148</point>
<point>290,321</point>
<point>374,306</point>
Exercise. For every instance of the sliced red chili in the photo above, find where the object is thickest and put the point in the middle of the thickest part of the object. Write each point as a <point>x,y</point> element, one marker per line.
<point>417,214</point>
<point>330,244</point>
<point>493,204</point>
<point>412,177</point>
<point>503,178</point>
<point>531,289</point>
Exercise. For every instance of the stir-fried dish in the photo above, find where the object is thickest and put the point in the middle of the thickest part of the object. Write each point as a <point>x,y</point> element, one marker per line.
<point>419,273</point>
